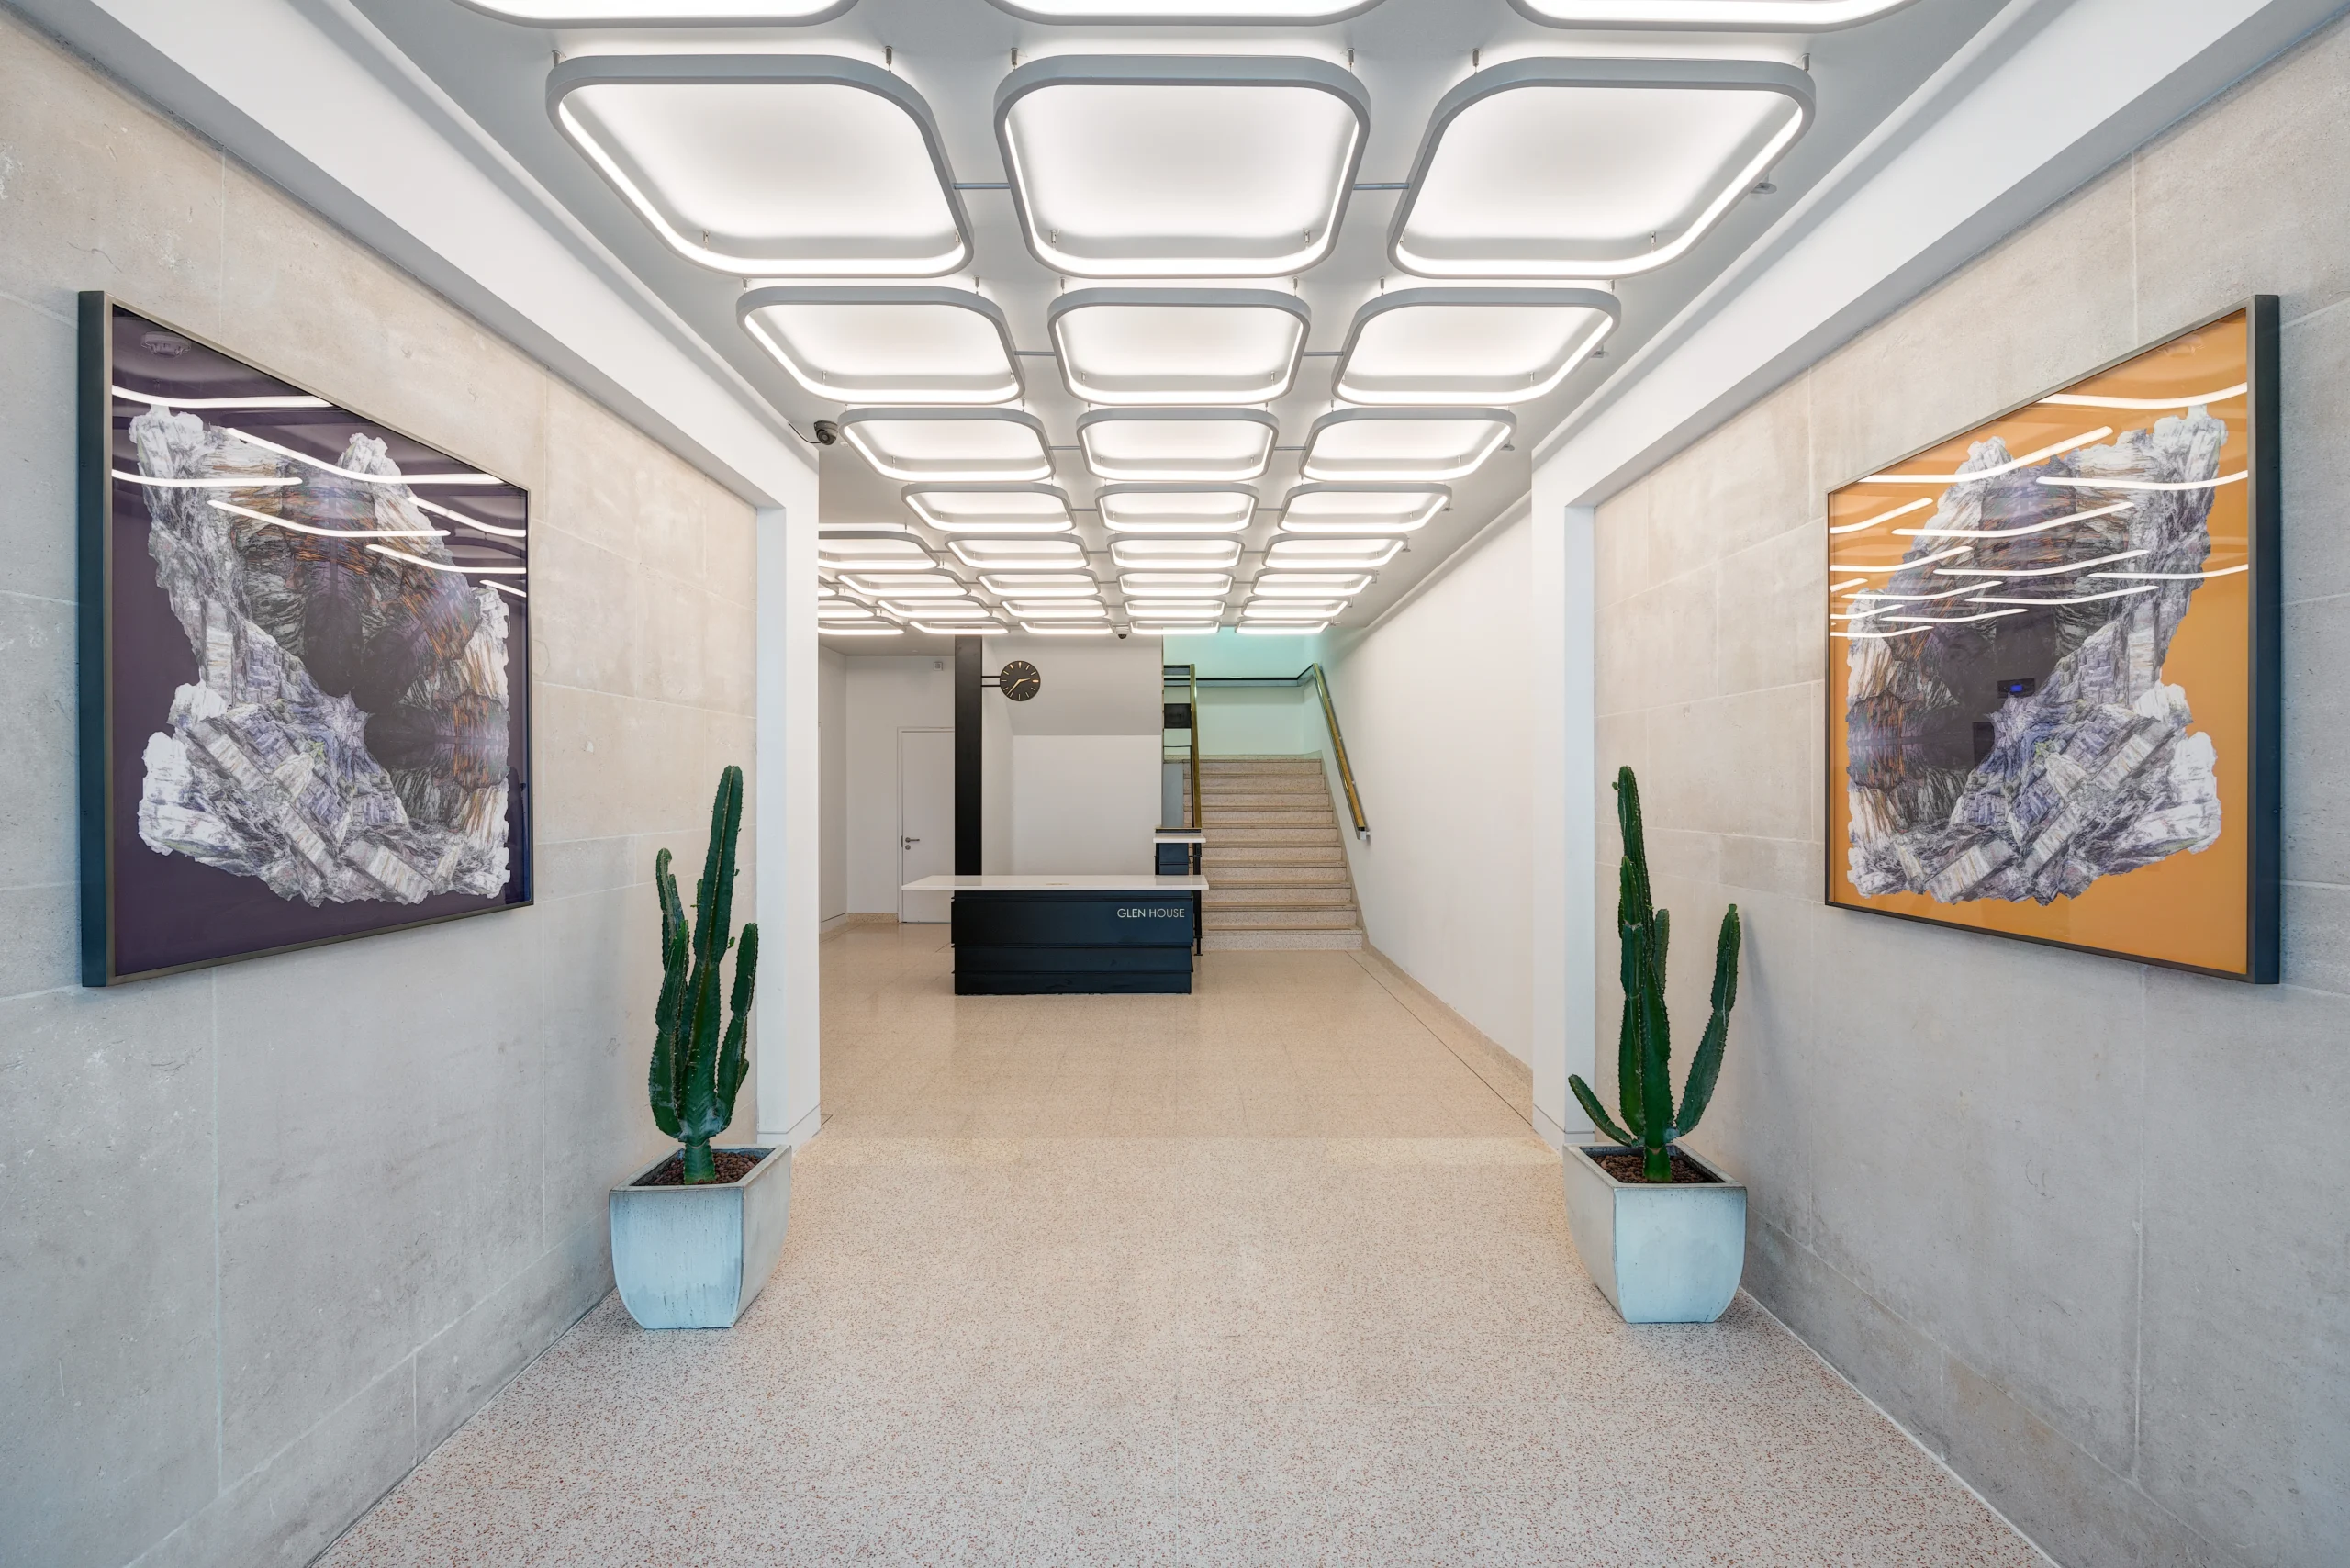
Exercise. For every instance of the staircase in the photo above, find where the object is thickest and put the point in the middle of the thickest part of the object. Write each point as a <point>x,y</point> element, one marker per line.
<point>1276,867</point>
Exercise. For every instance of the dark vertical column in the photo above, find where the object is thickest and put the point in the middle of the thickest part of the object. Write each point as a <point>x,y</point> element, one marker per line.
<point>966,757</point>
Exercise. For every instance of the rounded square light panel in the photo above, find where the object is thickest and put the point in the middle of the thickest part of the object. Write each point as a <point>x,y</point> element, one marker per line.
<point>907,585</point>
<point>1317,552</point>
<point>1292,608</point>
<point>882,553</point>
<point>777,166</point>
<point>975,445</point>
<point>1430,445</point>
<point>591,13</point>
<point>1050,609</point>
<point>1190,347</point>
<point>1177,444</point>
<point>1593,168</point>
<point>909,344</point>
<point>1180,165</point>
<point>1144,584</point>
<point>1175,628</point>
<point>959,610</point>
<point>1485,346</point>
<point>991,508</point>
<point>1176,508</point>
<point>1045,628</point>
<point>1175,609</point>
<point>1203,554</point>
<point>962,628</point>
<point>1041,585</point>
<point>1793,16</point>
<point>1309,585</point>
<point>1361,508</point>
<point>1185,13</point>
<point>990,553</point>
<point>1281,628</point>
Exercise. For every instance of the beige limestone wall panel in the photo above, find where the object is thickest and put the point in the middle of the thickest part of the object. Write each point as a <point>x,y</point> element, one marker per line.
<point>1749,481</point>
<point>37,467</point>
<point>2248,196</point>
<point>413,1131</point>
<point>2023,1198</point>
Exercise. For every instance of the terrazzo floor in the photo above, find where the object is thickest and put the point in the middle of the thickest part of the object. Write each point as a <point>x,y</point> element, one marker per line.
<point>1276,1272</point>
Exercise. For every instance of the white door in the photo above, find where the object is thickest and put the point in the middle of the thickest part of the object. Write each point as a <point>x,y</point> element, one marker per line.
<point>925,819</point>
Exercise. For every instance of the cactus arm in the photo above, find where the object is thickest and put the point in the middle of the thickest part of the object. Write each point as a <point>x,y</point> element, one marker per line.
<point>1628,1037</point>
<point>1598,1115</point>
<point>733,1061</point>
<point>1656,1074</point>
<point>1706,1065</point>
<point>1635,849</point>
<point>662,1080</point>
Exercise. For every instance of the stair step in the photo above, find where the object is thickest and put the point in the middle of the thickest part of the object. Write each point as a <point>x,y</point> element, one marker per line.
<point>1288,941</point>
<point>1248,875</point>
<point>1265,767</point>
<point>1245,835</point>
<point>1321,820</point>
<point>1317,852</point>
<point>1283,920</point>
<point>1221,897</point>
<point>1288,800</point>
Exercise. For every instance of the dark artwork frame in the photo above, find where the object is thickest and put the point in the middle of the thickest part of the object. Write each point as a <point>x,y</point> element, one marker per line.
<point>403,650</point>
<point>2264,661</point>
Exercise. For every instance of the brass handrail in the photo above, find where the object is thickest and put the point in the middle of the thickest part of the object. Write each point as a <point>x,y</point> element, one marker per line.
<point>1192,673</point>
<point>1338,746</point>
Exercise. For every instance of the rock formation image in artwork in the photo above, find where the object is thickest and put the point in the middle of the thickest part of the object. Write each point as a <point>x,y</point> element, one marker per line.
<point>2010,735</point>
<point>345,737</point>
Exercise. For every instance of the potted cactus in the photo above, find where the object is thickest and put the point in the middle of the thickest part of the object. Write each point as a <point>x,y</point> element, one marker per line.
<point>1661,1234</point>
<point>696,1234</point>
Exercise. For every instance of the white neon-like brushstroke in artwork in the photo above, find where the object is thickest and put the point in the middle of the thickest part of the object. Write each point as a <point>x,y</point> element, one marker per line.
<point>287,522</point>
<point>203,484</point>
<point>2016,532</point>
<point>1866,524</point>
<point>353,474</point>
<point>502,532</point>
<point>2011,465</point>
<point>2063,571</point>
<point>403,557</point>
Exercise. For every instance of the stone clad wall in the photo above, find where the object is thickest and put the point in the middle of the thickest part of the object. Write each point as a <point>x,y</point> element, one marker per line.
<point>274,1229</point>
<point>2077,1224</point>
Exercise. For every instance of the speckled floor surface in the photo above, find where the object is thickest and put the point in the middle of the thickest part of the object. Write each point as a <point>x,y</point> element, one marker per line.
<point>1269,1274</point>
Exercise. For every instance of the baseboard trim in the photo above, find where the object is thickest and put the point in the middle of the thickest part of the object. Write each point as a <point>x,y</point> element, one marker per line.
<point>1480,1052</point>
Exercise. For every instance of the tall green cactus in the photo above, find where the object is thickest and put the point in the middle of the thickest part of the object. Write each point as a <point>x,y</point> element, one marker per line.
<point>1644,1041</point>
<point>696,1072</point>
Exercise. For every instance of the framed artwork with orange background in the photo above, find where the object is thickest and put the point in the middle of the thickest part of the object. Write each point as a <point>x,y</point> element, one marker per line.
<point>2054,665</point>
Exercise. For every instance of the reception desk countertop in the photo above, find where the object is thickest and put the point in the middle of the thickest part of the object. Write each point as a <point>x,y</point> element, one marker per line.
<point>1130,882</point>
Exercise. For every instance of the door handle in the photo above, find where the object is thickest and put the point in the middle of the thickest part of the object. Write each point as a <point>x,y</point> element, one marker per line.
<point>910,843</point>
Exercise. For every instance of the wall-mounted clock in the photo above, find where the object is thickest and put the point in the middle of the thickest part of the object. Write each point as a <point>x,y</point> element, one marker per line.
<point>1019,681</point>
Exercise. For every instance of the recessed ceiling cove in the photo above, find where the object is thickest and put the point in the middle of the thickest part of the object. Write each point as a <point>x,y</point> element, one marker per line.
<point>1186,346</point>
<point>1182,12</point>
<point>1145,444</point>
<point>1486,346</point>
<point>1591,168</point>
<point>911,344</point>
<point>660,13</point>
<point>935,445</point>
<point>1180,166</point>
<point>1433,445</point>
<point>1798,16</point>
<point>773,165</point>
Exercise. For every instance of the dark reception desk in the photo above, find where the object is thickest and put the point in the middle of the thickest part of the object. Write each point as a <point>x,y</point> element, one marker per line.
<point>1025,936</point>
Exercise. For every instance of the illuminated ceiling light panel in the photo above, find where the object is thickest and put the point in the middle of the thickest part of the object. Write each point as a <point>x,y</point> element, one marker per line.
<point>829,613</point>
<point>1019,554</point>
<point>991,509</point>
<point>1174,165</point>
<point>1591,168</point>
<point>1292,608</point>
<point>1058,610</point>
<point>963,609</point>
<point>876,630</point>
<point>908,585</point>
<point>1361,508</point>
<point>1176,508</point>
<point>1793,15</point>
<point>963,627</point>
<point>934,445</point>
<point>1429,446</point>
<point>1183,346</point>
<point>1175,628</point>
<point>776,166</point>
<point>874,555</point>
<point>905,345</point>
<point>1309,585</point>
<point>1100,629</point>
<point>1185,13</point>
<point>1177,444</point>
<point>1281,628</point>
<point>671,13</point>
<point>1175,609</point>
<point>1199,553</point>
<point>1041,585</point>
<point>1142,585</point>
<point>1483,346</point>
<point>1316,552</point>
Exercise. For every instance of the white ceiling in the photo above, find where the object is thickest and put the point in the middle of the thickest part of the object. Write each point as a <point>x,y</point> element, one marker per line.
<point>952,56</point>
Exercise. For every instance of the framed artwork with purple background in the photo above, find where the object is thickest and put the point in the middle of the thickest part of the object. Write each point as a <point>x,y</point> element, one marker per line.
<point>304,665</point>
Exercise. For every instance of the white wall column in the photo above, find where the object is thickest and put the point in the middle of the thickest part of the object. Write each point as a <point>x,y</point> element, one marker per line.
<point>1564,936</point>
<point>787,786</point>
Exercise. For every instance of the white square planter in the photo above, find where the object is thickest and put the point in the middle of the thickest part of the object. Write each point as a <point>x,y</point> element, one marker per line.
<point>1661,1254</point>
<point>696,1257</point>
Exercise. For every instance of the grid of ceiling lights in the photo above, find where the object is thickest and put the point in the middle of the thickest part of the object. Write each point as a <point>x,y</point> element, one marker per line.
<point>1180,196</point>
